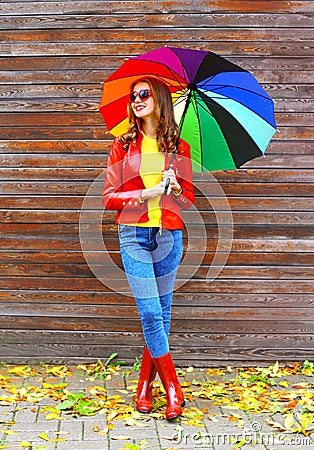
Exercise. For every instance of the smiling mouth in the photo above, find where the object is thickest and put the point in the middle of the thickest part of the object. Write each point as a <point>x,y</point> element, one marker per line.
<point>139,107</point>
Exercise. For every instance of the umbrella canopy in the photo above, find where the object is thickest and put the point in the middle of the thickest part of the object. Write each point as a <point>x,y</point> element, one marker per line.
<point>221,109</point>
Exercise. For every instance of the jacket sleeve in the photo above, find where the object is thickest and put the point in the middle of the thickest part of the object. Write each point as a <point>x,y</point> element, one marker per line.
<point>187,198</point>
<point>113,196</point>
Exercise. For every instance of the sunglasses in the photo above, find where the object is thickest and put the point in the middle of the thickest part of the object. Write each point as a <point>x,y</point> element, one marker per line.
<point>143,94</point>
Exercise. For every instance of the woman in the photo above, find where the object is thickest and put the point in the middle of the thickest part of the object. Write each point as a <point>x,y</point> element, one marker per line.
<point>150,225</point>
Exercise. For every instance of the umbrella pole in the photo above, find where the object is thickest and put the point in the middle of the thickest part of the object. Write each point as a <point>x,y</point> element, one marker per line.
<point>168,179</point>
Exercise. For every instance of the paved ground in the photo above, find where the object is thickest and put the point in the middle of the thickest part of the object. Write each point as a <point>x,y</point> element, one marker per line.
<point>28,425</point>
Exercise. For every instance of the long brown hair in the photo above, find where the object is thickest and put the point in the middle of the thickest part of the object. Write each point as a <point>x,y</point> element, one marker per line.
<point>168,130</point>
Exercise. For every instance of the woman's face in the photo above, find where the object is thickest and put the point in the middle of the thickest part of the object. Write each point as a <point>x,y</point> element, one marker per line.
<point>143,108</point>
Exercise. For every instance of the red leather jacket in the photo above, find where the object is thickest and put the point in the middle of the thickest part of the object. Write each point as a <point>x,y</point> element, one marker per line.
<point>123,185</point>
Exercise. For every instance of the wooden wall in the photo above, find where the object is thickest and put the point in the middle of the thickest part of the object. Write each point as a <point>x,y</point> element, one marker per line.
<point>53,143</point>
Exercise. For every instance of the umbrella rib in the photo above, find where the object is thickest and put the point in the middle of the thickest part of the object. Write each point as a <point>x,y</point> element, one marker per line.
<point>172,72</point>
<point>220,86</point>
<point>181,99</point>
<point>198,120</point>
<point>200,129</point>
<point>221,97</point>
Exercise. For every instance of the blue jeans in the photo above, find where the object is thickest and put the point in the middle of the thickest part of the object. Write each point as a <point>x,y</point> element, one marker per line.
<point>151,261</point>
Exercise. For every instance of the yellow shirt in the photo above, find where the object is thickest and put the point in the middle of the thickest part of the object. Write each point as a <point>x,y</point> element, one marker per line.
<point>152,164</point>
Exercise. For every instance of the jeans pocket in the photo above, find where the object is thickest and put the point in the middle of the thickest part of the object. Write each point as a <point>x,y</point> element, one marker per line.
<point>121,228</point>
<point>126,233</point>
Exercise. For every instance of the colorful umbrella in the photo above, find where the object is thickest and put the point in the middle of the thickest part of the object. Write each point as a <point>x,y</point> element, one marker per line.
<point>223,112</point>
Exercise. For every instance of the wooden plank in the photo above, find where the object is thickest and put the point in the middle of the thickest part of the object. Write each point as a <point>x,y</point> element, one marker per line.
<point>80,348</point>
<point>192,286</point>
<point>284,147</point>
<point>195,33</point>
<point>91,63</point>
<point>51,160</point>
<point>95,119</point>
<point>56,202</point>
<point>55,119</point>
<point>262,245</point>
<point>93,91</point>
<point>33,160</point>
<point>135,48</point>
<point>60,132</point>
<point>90,132</point>
<point>91,147</point>
<point>248,255</point>
<point>29,148</point>
<point>228,272</point>
<point>57,147</point>
<point>241,218</point>
<point>97,76</point>
<point>200,299</point>
<point>73,105</point>
<point>276,161</point>
<point>48,256</point>
<point>84,339</point>
<point>151,21</point>
<point>237,189</point>
<point>42,91</point>
<point>99,132</point>
<point>228,176</point>
<point>73,7</point>
<point>110,231</point>
<point>51,104</point>
<point>101,7</point>
<point>130,312</point>
<point>74,324</point>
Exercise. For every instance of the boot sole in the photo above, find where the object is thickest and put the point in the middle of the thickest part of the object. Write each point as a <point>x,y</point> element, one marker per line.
<point>175,417</point>
<point>146,411</point>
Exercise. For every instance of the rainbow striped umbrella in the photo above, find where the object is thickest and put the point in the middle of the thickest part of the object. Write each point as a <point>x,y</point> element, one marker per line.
<point>223,112</point>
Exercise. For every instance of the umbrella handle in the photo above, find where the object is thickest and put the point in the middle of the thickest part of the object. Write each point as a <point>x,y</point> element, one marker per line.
<point>167,185</point>
<point>168,179</point>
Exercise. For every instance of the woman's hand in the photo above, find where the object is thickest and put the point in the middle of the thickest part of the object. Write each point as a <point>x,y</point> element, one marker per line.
<point>153,192</point>
<point>159,189</point>
<point>174,185</point>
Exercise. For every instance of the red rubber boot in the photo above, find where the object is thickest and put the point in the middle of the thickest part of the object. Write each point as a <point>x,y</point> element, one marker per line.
<point>148,372</point>
<point>169,379</point>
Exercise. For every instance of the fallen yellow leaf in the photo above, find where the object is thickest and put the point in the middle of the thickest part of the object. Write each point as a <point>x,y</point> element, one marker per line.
<point>59,371</point>
<point>276,425</point>
<point>289,421</point>
<point>132,422</point>
<point>235,418</point>
<point>25,444</point>
<point>52,416</point>
<point>120,438</point>
<point>44,436</point>
<point>23,371</point>
<point>112,415</point>
<point>9,431</point>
